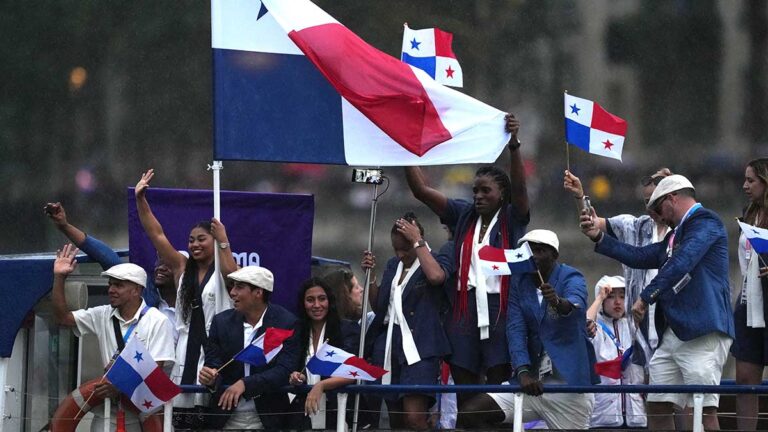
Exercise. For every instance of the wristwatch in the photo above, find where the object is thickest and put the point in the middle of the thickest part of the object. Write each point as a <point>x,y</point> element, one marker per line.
<point>420,243</point>
<point>223,245</point>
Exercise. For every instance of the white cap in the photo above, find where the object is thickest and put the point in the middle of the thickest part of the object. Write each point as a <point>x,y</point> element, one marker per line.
<point>668,185</point>
<point>256,276</point>
<point>611,281</point>
<point>127,272</point>
<point>546,237</point>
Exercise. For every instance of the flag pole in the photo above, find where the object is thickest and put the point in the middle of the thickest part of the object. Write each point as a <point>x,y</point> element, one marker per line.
<point>366,290</point>
<point>216,167</point>
<point>567,148</point>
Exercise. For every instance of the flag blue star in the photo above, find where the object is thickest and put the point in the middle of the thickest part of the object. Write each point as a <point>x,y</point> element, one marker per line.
<point>138,357</point>
<point>414,44</point>
<point>755,231</point>
<point>575,109</point>
<point>519,255</point>
<point>330,353</point>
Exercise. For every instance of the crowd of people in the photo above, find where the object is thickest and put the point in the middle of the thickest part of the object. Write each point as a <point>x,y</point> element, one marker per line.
<point>667,319</point>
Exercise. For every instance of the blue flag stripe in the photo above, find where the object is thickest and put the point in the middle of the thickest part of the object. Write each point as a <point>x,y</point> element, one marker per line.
<point>526,266</point>
<point>427,64</point>
<point>252,355</point>
<point>124,377</point>
<point>267,105</point>
<point>577,134</point>
<point>320,367</point>
<point>759,244</point>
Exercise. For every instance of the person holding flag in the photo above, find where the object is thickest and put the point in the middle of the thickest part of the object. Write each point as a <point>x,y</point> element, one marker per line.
<point>233,333</point>
<point>613,342</point>
<point>406,337</point>
<point>548,344</point>
<point>476,323</point>
<point>126,317</point>
<point>319,322</point>
<point>750,348</point>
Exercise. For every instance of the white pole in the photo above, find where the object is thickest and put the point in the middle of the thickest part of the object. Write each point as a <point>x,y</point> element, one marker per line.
<point>216,168</point>
<point>341,412</point>
<point>698,412</point>
<point>518,414</point>
<point>107,414</point>
<point>3,372</point>
<point>168,416</point>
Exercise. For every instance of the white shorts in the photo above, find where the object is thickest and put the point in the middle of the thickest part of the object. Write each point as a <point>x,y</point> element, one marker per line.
<point>559,410</point>
<point>698,361</point>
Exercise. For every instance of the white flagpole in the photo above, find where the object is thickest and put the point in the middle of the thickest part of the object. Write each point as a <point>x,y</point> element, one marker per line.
<point>216,167</point>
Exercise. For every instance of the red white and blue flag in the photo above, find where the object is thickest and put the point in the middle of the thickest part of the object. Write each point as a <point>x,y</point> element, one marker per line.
<point>265,347</point>
<point>498,262</point>
<point>593,129</point>
<point>758,237</point>
<point>136,374</point>
<point>292,84</point>
<point>431,51</point>
<point>332,361</point>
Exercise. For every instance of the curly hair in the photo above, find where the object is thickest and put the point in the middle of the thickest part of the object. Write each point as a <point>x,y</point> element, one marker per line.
<point>187,292</point>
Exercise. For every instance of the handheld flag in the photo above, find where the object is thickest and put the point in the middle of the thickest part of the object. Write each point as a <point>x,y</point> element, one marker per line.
<point>292,84</point>
<point>758,237</point>
<point>265,347</point>
<point>613,368</point>
<point>496,261</point>
<point>332,361</point>
<point>139,377</point>
<point>593,129</point>
<point>430,50</point>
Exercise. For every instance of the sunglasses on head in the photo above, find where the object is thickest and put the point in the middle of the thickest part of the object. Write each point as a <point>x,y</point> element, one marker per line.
<point>648,180</point>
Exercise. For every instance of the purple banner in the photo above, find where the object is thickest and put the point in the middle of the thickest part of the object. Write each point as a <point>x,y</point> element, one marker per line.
<point>266,229</point>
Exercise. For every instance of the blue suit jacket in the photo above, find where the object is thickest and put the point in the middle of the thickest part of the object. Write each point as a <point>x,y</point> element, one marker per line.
<point>226,338</point>
<point>422,304</point>
<point>533,327</point>
<point>700,251</point>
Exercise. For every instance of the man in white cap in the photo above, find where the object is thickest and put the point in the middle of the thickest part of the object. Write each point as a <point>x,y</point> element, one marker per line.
<point>233,330</point>
<point>546,323</point>
<point>691,289</point>
<point>126,314</point>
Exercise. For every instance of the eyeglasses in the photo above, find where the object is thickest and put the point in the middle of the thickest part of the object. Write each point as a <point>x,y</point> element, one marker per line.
<point>657,207</point>
<point>648,180</point>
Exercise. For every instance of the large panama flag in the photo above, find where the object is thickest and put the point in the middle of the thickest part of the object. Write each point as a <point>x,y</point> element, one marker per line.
<point>292,84</point>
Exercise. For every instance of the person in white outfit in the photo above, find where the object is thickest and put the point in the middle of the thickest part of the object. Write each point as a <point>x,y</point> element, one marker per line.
<point>613,340</point>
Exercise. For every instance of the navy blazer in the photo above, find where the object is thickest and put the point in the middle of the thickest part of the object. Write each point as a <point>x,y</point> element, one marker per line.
<point>534,327</point>
<point>692,287</point>
<point>422,304</point>
<point>226,338</point>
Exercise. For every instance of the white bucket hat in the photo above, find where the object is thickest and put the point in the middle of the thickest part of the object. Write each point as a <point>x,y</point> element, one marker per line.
<point>256,276</point>
<point>611,281</point>
<point>668,185</point>
<point>542,236</point>
<point>127,272</point>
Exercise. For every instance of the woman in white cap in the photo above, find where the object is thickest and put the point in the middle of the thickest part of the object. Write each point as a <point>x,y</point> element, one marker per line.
<point>613,343</point>
<point>201,295</point>
<point>750,347</point>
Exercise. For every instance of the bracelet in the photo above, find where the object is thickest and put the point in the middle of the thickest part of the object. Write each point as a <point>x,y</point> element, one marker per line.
<point>599,238</point>
<point>514,145</point>
<point>522,369</point>
<point>579,198</point>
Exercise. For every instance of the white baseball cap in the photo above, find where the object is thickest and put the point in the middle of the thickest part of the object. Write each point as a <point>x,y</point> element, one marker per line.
<point>668,185</point>
<point>127,272</point>
<point>611,281</point>
<point>546,237</point>
<point>256,276</point>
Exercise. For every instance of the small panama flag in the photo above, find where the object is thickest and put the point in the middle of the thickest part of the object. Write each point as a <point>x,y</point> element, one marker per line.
<point>335,362</point>
<point>758,237</point>
<point>496,261</point>
<point>139,377</point>
<point>265,347</point>
<point>591,128</point>
<point>614,368</point>
<point>430,50</point>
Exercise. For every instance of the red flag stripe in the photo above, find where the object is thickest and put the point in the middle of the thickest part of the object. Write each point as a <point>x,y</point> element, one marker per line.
<point>607,122</point>
<point>370,369</point>
<point>490,253</point>
<point>274,337</point>
<point>159,383</point>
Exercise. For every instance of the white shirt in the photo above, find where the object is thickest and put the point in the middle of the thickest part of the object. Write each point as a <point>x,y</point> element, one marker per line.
<point>248,332</point>
<point>154,330</point>
<point>170,313</point>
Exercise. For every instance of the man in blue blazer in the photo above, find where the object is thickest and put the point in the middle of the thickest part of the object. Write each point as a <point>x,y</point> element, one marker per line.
<point>249,397</point>
<point>691,289</point>
<point>548,344</point>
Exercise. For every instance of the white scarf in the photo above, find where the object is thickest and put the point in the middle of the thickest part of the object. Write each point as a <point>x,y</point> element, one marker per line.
<point>481,290</point>
<point>318,420</point>
<point>396,316</point>
<point>754,290</point>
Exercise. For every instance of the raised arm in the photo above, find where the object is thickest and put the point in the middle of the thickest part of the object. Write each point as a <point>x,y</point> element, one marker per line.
<point>594,309</point>
<point>572,184</point>
<point>63,265</point>
<point>422,191</point>
<point>519,190</point>
<point>226,259</point>
<point>94,248</point>
<point>429,265</point>
<point>154,230</point>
